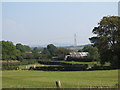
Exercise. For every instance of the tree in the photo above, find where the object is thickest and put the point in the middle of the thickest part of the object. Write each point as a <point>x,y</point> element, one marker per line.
<point>80,50</point>
<point>36,53</point>
<point>25,51</point>
<point>35,50</point>
<point>46,54</point>
<point>52,49</point>
<point>93,52</point>
<point>61,52</point>
<point>23,48</point>
<point>108,39</point>
<point>9,50</point>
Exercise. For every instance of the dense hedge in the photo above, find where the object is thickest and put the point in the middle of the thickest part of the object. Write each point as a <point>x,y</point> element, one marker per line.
<point>9,66</point>
<point>59,66</point>
<point>81,67</point>
<point>65,66</point>
<point>74,67</point>
<point>15,65</point>
<point>85,59</point>
<point>53,63</point>
<point>96,67</point>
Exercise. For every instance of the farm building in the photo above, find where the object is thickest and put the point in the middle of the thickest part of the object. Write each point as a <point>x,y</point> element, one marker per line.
<point>77,55</point>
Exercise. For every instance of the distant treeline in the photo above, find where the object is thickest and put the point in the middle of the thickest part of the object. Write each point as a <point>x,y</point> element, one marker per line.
<point>21,52</point>
<point>15,65</point>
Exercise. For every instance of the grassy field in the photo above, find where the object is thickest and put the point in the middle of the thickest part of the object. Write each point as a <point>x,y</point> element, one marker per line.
<point>46,79</point>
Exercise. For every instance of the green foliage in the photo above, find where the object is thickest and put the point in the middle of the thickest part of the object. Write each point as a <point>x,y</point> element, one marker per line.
<point>114,61</point>
<point>80,50</point>
<point>27,62</point>
<point>108,39</point>
<point>21,52</point>
<point>15,65</point>
<point>23,48</point>
<point>9,50</point>
<point>10,66</point>
<point>73,67</point>
<point>93,52</point>
<point>35,50</point>
<point>36,53</point>
<point>61,52</point>
<point>46,54</point>
<point>52,49</point>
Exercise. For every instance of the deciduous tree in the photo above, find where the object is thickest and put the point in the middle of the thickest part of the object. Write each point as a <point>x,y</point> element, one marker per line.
<point>107,39</point>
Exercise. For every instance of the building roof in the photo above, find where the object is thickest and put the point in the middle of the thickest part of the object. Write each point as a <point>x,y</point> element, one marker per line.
<point>79,53</point>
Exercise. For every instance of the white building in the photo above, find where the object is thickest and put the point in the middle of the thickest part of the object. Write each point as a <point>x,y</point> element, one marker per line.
<point>77,55</point>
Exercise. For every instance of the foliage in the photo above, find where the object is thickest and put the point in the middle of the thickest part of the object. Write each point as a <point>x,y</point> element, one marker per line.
<point>15,65</point>
<point>46,54</point>
<point>93,52</point>
<point>35,50</point>
<point>52,49</point>
<point>23,48</point>
<point>61,52</point>
<point>73,67</point>
<point>21,52</point>
<point>80,50</point>
<point>9,51</point>
<point>25,52</point>
<point>85,59</point>
<point>108,39</point>
<point>18,51</point>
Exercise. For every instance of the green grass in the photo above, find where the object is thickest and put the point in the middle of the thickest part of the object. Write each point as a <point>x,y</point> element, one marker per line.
<point>46,79</point>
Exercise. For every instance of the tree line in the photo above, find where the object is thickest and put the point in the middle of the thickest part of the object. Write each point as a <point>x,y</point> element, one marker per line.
<point>20,52</point>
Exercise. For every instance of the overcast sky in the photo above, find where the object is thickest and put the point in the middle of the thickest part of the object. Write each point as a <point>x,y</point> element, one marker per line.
<point>39,23</point>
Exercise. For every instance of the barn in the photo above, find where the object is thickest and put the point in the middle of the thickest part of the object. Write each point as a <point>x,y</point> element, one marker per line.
<point>76,55</point>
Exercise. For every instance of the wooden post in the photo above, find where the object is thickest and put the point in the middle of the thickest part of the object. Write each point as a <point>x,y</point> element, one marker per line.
<point>58,84</point>
<point>34,66</point>
<point>26,67</point>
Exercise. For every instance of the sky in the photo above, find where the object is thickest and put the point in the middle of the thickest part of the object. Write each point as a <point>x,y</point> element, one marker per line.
<point>42,23</point>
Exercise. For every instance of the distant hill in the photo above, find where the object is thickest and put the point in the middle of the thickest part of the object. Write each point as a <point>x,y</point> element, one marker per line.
<point>76,47</point>
<point>63,46</point>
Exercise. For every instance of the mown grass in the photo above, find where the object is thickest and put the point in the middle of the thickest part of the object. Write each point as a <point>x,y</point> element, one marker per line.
<point>46,79</point>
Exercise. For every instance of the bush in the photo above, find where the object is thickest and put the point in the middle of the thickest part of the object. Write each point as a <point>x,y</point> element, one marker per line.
<point>81,67</point>
<point>95,67</point>
<point>15,65</point>
<point>85,59</point>
<point>63,66</point>
<point>53,63</point>
<point>10,66</point>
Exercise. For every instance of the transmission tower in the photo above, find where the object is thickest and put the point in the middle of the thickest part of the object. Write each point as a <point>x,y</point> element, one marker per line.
<point>75,41</point>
